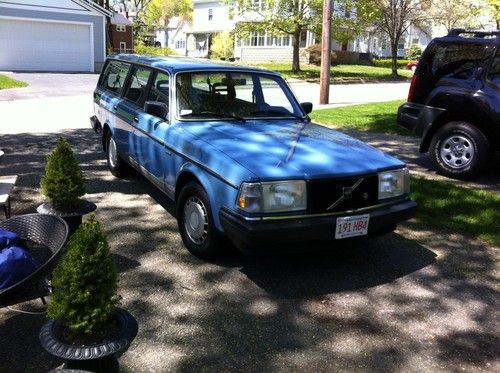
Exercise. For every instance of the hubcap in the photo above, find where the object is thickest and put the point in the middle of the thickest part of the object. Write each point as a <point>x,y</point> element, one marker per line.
<point>196,220</point>
<point>457,151</point>
<point>112,154</point>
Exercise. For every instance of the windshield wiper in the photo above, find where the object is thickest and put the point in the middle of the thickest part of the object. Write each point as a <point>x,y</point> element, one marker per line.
<point>264,112</point>
<point>216,115</point>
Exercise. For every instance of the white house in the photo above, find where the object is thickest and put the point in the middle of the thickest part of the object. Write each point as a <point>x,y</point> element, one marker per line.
<point>378,43</point>
<point>53,35</point>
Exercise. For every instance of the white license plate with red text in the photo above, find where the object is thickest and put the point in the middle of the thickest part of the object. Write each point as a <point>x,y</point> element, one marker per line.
<point>351,226</point>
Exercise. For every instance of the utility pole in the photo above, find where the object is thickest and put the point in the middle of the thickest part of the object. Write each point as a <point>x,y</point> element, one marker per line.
<point>326,47</point>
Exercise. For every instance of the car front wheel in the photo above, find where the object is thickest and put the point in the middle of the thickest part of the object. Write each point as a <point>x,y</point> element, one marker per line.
<point>459,150</point>
<point>195,221</point>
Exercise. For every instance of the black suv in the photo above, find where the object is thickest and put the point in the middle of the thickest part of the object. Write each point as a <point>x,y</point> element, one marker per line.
<point>454,101</point>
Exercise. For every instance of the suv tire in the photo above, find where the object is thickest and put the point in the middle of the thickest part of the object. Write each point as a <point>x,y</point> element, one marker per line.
<point>116,164</point>
<point>459,150</point>
<point>195,221</point>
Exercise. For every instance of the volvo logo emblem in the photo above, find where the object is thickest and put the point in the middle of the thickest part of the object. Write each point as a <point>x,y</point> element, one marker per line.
<point>346,194</point>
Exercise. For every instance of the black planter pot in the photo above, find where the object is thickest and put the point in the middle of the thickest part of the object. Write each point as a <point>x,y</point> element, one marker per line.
<point>96,357</point>
<point>72,218</point>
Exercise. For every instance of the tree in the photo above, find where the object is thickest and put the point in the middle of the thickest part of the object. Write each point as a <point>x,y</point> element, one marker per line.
<point>495,11</point>
<point>456,13</point>
<point>223,46</point>
<point>160,12</point>
<point>279,17</point>
<point>351,18</point>
<point>396,16</point>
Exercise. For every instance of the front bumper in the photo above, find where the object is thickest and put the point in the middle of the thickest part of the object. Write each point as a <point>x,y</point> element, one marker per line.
<point>246,234</point>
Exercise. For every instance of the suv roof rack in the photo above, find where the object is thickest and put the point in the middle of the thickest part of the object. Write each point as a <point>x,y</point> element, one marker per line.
<point>475,33</point>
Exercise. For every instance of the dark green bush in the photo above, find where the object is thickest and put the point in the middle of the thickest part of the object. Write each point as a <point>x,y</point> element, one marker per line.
<point>85,281</point>
<point>388,63</point>
<point>63,182</point>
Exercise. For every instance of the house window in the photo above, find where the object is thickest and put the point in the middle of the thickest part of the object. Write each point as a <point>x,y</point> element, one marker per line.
<point>210,14</point>
<point>257,39</point>
<point>123,46</point>
<point>180,44</point>
<point>414,41</point>
<point>259,5</point>
<point>121,28</point>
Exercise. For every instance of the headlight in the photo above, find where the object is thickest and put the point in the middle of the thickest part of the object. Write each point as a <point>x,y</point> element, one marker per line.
<point>393,183</point>
<point>279,196</point>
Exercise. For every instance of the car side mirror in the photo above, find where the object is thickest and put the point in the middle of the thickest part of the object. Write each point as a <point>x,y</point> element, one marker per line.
<point>307,107</point>
<point>157,109</point>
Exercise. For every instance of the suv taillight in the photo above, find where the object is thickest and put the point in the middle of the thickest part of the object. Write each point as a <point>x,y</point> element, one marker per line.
<point>411,92</point>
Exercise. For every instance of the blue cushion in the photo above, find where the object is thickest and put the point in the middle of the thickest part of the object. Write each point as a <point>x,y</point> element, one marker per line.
<point>8,238</point>
<point>15,264</point>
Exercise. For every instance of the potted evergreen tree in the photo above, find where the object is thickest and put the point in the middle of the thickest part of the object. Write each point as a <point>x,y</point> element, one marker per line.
<point>64,184</point>
<point>87,328</point>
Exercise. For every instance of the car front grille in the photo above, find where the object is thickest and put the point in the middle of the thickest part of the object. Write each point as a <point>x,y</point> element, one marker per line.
<point>334,195</point>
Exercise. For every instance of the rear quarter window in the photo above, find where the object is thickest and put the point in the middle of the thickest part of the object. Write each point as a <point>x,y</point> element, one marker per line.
<point>456,60</point>
<point>494,73</point>
<point>113,77</point>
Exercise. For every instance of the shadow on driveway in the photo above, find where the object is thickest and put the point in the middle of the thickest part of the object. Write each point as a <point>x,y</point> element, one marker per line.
<point>384,304</point>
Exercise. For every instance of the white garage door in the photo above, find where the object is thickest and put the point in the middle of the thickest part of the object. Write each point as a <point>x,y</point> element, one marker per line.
<point>45,46</point>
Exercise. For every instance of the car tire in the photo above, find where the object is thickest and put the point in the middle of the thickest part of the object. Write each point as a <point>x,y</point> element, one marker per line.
<point>117,166</point>
<point>459,150</point>
<point>196,224</point>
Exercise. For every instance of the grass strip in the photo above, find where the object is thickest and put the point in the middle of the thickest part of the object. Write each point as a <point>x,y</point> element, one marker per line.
<point>376,117</point>
<point>338,73</point>
<point>451,208</point>
<point>7,82</point>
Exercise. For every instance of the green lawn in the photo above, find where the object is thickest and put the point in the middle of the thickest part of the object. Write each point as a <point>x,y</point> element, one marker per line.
<point>450,208</point>
<point>6,82</point>
<point>338,73</point>
<point>376,117</point>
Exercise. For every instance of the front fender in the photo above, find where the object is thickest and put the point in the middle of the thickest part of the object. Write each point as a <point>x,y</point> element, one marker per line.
<point>219,191</point>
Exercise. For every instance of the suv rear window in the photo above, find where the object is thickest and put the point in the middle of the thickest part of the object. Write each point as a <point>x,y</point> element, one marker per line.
<point>455,60</point>
<point>114,76</point>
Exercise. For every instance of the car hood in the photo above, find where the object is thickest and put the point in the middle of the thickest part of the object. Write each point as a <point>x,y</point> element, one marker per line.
<point>292,149</point>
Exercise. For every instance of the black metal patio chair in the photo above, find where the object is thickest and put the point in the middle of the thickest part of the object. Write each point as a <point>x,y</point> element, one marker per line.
<point>45,237</point>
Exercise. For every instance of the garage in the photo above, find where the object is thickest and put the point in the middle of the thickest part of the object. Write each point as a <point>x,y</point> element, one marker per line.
<point>45,46</point>
<point>53,35</point>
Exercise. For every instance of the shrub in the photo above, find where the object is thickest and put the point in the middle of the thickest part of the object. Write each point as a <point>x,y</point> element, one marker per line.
<point>85,281</point>
<point>315,55</point>
<point>414,52</point>
<point>63,182</point>
<point>140,48</point>
<point>223,46</point>
<point>388,63</point>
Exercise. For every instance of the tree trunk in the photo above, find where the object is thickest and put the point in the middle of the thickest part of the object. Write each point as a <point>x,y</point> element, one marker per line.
<point>296,45</point>
<point>394,56</point>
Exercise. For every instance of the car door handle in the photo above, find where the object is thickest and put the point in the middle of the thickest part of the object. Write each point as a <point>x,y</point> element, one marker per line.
<point>115,107</point>
<point>136,119</point>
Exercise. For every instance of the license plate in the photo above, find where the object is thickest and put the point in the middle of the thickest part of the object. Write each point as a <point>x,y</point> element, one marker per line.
<point>351,226</point>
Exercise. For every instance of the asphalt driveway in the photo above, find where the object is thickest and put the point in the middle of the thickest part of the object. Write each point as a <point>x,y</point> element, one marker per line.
<point>413,300</point>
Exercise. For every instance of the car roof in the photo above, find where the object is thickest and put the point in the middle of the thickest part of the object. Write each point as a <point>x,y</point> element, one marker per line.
<point>474,36</point>
<point>178,64</point>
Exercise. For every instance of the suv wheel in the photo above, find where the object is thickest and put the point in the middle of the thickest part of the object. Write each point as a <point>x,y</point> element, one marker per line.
<point>116,164</point>
<point>459,150</point>
<point>195,221</point>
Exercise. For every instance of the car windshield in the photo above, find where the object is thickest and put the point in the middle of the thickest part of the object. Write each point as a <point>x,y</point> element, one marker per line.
<point>230,95</point>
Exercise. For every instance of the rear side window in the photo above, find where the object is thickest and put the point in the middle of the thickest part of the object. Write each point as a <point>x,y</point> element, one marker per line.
<point>138,84</point>
<point>456,60</point>
<point>160,89</point>
<point>494,73</point>
<point>114,76</point>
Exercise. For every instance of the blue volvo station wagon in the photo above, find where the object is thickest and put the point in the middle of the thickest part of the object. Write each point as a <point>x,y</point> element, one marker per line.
<point>240,157</point>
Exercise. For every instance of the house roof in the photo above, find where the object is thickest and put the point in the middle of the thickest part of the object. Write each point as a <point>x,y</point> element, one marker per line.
<point>120,19</point>
<point>178,64</point>
<point>94,6</point>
